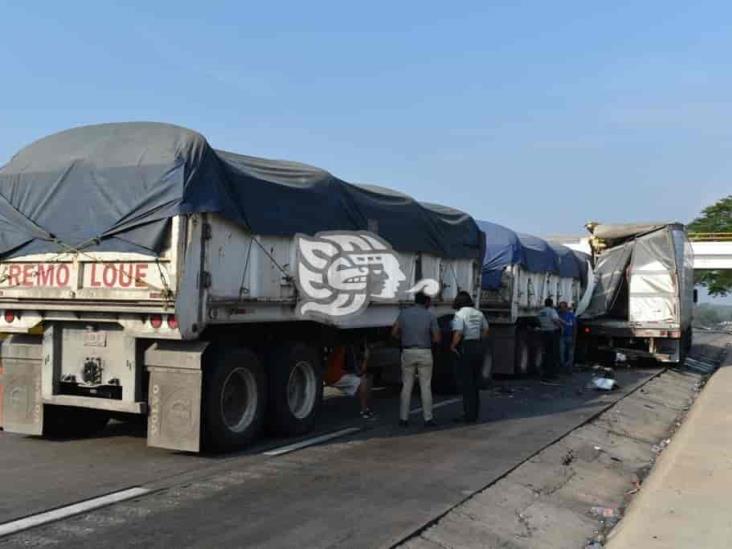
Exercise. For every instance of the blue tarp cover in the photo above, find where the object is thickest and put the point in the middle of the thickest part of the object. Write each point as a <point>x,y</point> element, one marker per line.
<point>504,247</point>
<point>114,187</point>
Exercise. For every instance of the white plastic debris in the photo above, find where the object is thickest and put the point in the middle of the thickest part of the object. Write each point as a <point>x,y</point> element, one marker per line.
<point>603,512</point>
<point>604,384</point>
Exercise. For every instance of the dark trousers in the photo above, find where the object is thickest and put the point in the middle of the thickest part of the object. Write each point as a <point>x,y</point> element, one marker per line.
<point>549,366</point>
<point>468,369</point>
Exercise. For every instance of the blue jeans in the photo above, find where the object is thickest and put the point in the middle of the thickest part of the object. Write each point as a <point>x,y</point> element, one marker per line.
<point>566,352</point>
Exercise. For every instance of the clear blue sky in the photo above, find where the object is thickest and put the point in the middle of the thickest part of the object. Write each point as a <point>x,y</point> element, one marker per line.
<point>538,115</point>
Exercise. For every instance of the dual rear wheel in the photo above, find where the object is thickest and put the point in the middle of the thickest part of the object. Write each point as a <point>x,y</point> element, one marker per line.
<point>239,401</point>
<point>529,353</point>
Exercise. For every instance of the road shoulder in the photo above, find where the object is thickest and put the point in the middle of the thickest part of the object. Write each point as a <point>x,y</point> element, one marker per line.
<point>685,500</point>
<point>570,493</point>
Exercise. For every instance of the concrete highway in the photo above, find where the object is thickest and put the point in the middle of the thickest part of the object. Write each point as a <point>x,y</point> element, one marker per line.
<point>374,486</point>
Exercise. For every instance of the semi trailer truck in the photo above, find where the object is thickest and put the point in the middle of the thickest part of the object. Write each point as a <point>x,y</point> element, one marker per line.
<point>519,272</point>
<point>643,295</point>
<point>143,272</point>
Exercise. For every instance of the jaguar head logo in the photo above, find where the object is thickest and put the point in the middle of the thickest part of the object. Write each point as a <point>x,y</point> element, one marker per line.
<point>339,273</point>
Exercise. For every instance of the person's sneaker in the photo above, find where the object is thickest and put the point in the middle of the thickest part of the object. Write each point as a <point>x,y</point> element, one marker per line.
<point>367,414</point>
<point>403,423</point>
<point>430,423</point>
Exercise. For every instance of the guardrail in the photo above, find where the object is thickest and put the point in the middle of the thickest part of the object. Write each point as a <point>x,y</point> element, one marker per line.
<point>710,237</point>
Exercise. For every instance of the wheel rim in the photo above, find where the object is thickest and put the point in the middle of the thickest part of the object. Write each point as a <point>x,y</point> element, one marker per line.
<point>523,357</point>
<point>301,389</point>
<point>538,358</point>
<point>239,399</point>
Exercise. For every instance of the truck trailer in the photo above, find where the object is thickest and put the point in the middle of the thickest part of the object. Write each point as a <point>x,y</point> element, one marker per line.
<point>519,272</point>
<point>143,272</point>
<point>643,295</point>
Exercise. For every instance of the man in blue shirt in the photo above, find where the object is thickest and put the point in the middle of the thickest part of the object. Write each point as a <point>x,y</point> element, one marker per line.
<point>569,333</point>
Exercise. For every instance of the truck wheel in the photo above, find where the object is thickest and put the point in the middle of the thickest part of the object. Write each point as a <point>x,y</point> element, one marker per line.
<point>67,421</point>
<point>486,369</point>
<point>536,360</point>
<point>234,400</point>
<point>295,389</point>
<point>523,355</point>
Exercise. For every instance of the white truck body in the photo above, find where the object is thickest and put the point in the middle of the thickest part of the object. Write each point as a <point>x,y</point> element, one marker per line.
<point>522,294</point>
<point>143,271</point>
<point>644,288</point>
<point>99,306</point>
<point>519,273</point>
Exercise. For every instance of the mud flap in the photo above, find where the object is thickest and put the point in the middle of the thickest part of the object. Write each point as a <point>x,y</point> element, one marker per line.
<point>174,420</point>
<point>22,399</point>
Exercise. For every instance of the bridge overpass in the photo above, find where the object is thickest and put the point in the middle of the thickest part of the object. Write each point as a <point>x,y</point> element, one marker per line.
<point>712,250</point>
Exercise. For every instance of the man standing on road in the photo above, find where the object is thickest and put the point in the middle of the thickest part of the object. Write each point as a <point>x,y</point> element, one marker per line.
<point>416,328</point>
<point>549,324</point>
<point>569,335</point>
<point>469,331</point>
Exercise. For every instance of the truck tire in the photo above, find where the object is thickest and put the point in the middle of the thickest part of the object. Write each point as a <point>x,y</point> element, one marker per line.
<point>67,421</point>
<point>234,399</point>
<point>536,358</point>
<point>486,369</point>
<point>523,354</point>
<point>295,389</point>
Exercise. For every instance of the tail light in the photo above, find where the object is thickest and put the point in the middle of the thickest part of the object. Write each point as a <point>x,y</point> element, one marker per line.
<point>587,330</point>
<point>156,321</point>
<point>172,322</point>
<point>9,316</point>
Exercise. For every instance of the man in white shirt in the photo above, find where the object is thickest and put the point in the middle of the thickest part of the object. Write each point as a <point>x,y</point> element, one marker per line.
<point>550,325</point>
<point>469,333</point>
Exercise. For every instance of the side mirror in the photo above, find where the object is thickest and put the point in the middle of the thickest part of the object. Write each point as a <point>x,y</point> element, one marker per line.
<point>696,295</point>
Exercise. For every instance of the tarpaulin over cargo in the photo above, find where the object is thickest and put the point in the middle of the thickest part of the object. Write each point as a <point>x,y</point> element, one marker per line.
<point>504,247</point>
<point>571,264</point>
<point>650,263</point>
<point>584,261</point>
<point>113,187</point>
<point>610,268</point>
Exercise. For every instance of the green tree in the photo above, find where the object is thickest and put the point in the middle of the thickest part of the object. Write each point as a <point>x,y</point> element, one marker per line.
<point>716,218</point>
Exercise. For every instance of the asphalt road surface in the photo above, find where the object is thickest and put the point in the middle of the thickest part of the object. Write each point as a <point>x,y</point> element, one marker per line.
<point>373,487</point>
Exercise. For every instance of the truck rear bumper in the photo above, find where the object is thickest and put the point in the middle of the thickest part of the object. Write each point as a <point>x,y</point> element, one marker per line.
<point>97,404</point>
<point>609,330</point>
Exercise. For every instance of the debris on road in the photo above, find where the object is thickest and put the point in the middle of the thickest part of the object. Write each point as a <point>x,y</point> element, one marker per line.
<point>574,492</point>
<point>661,446</point>
<point>602,384</point>
<point>603,512</point>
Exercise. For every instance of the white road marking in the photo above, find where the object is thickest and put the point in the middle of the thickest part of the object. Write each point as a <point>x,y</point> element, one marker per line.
<point>39,519</point>
<point>310,442</point>
<point>438,405</point>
